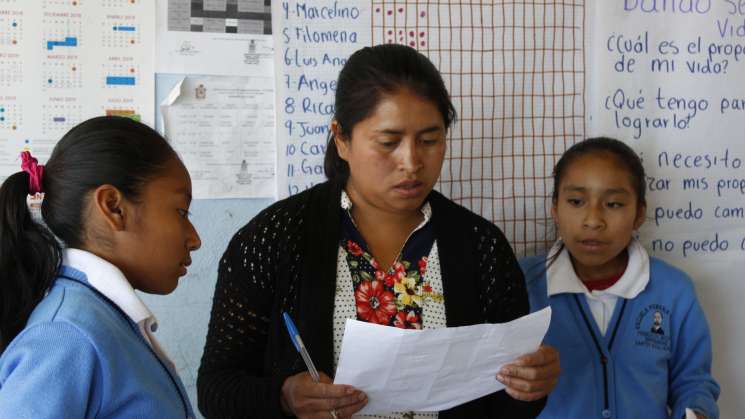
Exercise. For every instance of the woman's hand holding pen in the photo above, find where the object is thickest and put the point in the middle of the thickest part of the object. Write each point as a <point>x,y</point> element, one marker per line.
<point>304,398</point>
<point>532,376</point>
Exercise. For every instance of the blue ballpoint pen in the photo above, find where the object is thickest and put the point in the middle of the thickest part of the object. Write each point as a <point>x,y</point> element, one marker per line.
<point>295,337</point>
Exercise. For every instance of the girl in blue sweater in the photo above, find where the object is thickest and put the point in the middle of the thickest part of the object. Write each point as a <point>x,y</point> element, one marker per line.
<point>633,340</point>
<point>76,340</point>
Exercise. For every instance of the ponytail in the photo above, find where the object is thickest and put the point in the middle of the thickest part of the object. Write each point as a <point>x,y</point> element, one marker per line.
<point>29,258</point>
<point>106,150</point>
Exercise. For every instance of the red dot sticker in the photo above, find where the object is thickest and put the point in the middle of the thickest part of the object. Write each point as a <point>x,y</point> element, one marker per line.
<point>412,43</point>
<point>377,10</point>
<point>423,43</point>
<point>400,10</point>
<point>411,33</point>
<point>390,32</point>
<point>390,12</point>
<point>421,34</point>
<point>422,14</point>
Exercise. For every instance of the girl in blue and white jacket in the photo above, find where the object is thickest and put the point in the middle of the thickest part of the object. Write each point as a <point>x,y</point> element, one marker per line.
<point>632,337</point>
<point>76,340</point>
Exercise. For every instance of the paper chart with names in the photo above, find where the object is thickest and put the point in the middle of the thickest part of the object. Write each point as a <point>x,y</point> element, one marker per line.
<point>223,129</point>
<point>313,41</point>
<point>62,62</point>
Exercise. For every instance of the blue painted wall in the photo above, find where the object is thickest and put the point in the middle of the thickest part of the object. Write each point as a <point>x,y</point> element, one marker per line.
<point>183,315</point>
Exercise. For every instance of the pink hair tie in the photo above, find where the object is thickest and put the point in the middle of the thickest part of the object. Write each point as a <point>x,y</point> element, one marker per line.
<point>35,172</point>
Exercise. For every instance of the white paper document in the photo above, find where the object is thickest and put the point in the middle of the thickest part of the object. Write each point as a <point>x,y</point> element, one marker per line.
<point>223,129</point>
<point>214,37</point>
<point>432,370</point>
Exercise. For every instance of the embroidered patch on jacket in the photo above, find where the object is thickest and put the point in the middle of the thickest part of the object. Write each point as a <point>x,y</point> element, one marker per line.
<point>653,327</point>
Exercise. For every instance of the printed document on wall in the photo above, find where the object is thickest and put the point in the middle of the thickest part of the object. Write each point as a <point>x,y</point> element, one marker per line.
<point>62,62</point>
<point>223,129</point>
<point>231,38</point>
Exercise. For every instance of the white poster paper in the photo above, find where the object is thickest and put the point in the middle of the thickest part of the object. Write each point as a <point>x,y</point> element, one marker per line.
<point>669,79</point>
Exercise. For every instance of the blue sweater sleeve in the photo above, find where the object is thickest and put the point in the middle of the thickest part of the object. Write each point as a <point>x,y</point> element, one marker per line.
<point>50,370</point>
<point>691,383</point>
<point>534,271</point>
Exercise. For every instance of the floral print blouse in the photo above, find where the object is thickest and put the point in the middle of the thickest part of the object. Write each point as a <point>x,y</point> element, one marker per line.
<point>392,297</point>
<point>408,295</point>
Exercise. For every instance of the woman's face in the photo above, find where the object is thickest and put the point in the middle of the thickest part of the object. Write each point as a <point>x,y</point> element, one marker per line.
<point>395,154</point>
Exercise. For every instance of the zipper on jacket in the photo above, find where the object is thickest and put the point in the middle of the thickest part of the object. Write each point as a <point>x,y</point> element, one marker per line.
<point>137,332</point>
<point>603,358</point>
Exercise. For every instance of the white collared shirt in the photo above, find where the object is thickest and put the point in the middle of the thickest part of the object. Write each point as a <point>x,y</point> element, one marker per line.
<point>563,279</point>
<point>107,279</point>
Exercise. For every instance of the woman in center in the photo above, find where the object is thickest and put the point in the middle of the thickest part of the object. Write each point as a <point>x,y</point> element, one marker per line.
<point>374,243</point>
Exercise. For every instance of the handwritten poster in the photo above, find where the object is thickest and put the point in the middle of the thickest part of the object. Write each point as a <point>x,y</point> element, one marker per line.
<point>515,72</point>
<point>669,79</point>
<point>312,41</point>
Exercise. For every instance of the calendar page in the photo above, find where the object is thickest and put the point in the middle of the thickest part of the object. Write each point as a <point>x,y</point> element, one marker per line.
<point>64,61</point>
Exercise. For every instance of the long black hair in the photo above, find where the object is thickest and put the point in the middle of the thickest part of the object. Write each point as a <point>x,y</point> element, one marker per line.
<point>370,73</point>
<point>104,150</point>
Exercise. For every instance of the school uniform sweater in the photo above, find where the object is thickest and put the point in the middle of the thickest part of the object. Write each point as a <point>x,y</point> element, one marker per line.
<point>82,356</point>
<point>654,356</point>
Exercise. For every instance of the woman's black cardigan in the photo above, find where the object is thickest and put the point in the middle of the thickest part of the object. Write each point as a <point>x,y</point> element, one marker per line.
<point>285,259</point>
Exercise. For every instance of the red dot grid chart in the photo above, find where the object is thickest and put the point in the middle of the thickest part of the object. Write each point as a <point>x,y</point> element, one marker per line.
<point>59,115</point>
<point>515,72</point>
<point>11,115</point>
<point>400,23</point>
<point>11,30</point>
<point>61,74</point>
<point>120,33</point>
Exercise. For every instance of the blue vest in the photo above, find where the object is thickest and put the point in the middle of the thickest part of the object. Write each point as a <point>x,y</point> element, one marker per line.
<point>640,368</point>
